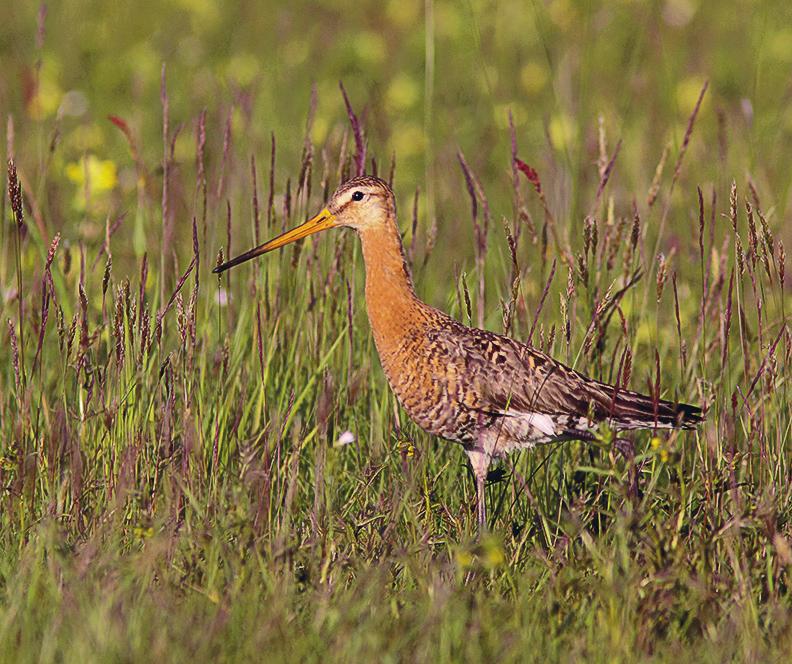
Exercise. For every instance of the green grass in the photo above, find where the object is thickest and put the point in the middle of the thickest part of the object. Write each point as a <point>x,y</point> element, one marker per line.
<point>171,483</point>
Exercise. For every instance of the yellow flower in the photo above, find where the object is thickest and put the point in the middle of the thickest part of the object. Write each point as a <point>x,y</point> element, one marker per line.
<point>100,173</point>
<point>464,558</point>
<point>48,95</point>
<point>97,176</point>
<point>142,533</point>
<point>406,448</point>
<point>492,555</point>
<point>659,446</point>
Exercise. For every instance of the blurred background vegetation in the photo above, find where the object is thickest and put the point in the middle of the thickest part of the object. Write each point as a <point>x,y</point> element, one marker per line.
<point>192,498</point>
<point>557,66</point>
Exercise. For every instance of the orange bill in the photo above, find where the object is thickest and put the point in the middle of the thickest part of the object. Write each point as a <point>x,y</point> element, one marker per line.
<point>320,222</point>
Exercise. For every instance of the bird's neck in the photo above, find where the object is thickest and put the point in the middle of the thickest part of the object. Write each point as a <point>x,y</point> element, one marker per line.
<point>393,307</point>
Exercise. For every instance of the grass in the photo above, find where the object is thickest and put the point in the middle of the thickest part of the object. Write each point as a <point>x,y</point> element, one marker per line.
<point>176,480</point>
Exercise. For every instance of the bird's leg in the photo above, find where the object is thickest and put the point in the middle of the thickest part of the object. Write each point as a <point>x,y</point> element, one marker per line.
<point>481,504</point>
<point>479,462</point>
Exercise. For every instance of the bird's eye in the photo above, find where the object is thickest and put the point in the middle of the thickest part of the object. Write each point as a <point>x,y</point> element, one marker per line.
<point>357,196</point>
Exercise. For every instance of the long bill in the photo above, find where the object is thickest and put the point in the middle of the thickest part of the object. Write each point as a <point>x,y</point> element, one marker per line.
<point>322,221</point>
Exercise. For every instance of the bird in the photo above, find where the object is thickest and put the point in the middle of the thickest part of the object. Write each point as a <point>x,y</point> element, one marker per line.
<point>488,392</point>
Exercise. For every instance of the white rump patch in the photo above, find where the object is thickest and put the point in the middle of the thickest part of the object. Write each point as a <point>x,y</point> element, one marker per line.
<point>542,422</point>
<point>539,421</point>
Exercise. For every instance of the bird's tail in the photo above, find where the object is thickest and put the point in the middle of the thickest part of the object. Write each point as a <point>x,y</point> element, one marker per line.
<point>632,410</point>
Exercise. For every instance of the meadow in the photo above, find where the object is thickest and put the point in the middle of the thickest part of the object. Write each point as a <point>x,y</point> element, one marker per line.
<point>196,468</point>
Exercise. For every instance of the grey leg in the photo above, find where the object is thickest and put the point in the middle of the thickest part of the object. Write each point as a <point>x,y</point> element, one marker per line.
<point>481,503</point>
<point>479,462</point>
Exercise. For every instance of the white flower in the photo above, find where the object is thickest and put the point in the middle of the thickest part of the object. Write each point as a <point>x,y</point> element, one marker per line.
<point>345,439</point>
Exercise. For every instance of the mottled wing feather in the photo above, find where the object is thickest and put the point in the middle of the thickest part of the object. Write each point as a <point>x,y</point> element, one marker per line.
<point>512,379</point>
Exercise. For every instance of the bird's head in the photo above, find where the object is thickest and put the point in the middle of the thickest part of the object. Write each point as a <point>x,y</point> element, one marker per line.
<point>361,203</point>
